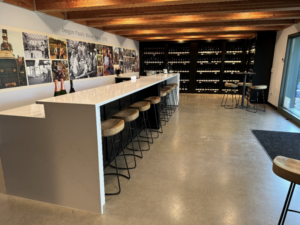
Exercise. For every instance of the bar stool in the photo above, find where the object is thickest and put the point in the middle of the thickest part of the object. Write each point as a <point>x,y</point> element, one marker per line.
<point>256,88</point>
<point>110,129</point>
<point>232,87</point>
<point>155,101</point>
<point>171,96</point>
<point>240,87</point>
<point>163,108</point>
<point>168,102</point>
<point>175,85</point>
<point>129,116</point>
<point>143,107</point>
<point>288,169</point>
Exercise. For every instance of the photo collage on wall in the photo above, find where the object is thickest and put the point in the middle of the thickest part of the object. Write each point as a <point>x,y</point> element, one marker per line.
<point>27,58</point>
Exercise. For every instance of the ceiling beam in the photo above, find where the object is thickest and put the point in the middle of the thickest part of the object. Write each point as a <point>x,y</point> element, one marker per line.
<point>78,5</point>
<point>207,37</point>
<point>27,4</point>
<point>229,17</point>
<point>197,30</point>
<point>198,25</point>
<point>187,9</point>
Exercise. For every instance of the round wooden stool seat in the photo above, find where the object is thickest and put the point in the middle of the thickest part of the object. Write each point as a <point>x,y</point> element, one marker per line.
<point>153,100</point>
<point>173,85</point>
<point>141,106</point>
<point>259,87</point>
<point>127,115</point>
<point>111,127</point>
<point>167,89</point>
<point>163,93</point>
<point>287,168</point>
<point>241,84</point>
<point>230,85</point>
<point>169,86</point>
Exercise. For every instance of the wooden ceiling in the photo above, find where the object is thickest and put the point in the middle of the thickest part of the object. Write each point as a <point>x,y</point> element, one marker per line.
<point>174,20</point>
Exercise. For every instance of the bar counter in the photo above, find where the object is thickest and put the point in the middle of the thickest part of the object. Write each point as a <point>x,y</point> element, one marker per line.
<point>52,151</point>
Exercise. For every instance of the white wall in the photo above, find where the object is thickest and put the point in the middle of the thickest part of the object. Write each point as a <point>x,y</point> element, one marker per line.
<point>25,20</point>
<point>278,62</point>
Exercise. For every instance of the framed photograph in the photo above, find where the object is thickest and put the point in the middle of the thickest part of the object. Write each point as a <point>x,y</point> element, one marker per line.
<point>83,59</point>
<point>99,49</point>
<point>60,69</point>
<point>35,46</point>
<point>58,48</point>
<point>100,60</point>
<point>133,53</point>
<point>116,56</point>
<point>121,54</point>
<point>39,71</point>
<point>100,71</point>
<point>108,61</point>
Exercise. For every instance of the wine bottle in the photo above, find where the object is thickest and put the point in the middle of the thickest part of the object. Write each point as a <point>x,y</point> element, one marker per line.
<point>56,91</point>
<point>72,90</point>
<point>62,87</point>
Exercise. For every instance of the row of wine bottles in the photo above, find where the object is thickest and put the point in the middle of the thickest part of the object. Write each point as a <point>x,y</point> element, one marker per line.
<point>62,90</point>
<point>154,67</point>
<point>207,87</point>
<point>181,59</point>
<point>203,49</point>
<point>208,78</point>
<point>234,49</point>
<point>231,69</point>
<point>181,68</point>
<point>208,69</point>
<point>179,50</point>
<point>184,77</point>
<point>206,59</point>
<point>183,86</point>
<point>156,59</point>
<point>154,50</point>
<point>233,59</point>
<point>232,78</point>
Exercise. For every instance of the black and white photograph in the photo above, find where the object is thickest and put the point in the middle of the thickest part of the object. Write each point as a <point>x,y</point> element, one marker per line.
<point>58,48</point>
<point>38,71</point>
<point>35,46</point>
<point>60,69</point>
<point>12,65</point>
<point>83,59</point>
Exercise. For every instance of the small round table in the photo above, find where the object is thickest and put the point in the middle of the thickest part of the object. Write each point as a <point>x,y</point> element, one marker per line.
<point>244,87</point>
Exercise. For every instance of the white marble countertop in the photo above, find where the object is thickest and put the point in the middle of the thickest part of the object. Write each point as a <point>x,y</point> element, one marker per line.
<point>33,111</point>
<point>108,93</point>
<point>95,96</point>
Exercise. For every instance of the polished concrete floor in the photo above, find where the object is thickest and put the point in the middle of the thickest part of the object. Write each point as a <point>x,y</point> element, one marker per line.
<point>206,168</point>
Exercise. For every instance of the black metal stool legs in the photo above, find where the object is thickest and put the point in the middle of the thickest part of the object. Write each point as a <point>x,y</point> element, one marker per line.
<point>157,120</point>
<point>116,167</point>
<point>287,204</point>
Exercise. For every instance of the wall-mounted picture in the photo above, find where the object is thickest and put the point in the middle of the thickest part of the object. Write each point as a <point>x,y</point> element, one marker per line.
<point>38,71</point>
<point>121,65</point>
<point>121,54</point>
<point>58,48</point>
<point>108,60</point>
<point>12,65</point>
<point>99,49</point>
<point>116,56</point>
<point>100,71</point>
<point>82,59</point>
<point>127,65</point>
<point>137,64</point>
<point>133,53</point>
<point>133,69</point>
<point>35,46</point>
<point>60,69</point>
<point>128,52</point>
<point>100,60</point>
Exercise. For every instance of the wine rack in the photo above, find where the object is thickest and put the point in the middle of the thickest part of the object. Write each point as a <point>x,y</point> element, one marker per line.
<point>204,66</point>
<point>154,59</point>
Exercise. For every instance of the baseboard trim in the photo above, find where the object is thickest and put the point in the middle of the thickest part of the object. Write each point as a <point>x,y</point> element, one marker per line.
<point>273,106</point>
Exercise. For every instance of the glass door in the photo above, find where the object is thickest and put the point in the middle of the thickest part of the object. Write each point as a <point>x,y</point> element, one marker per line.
<point>290,89</point>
